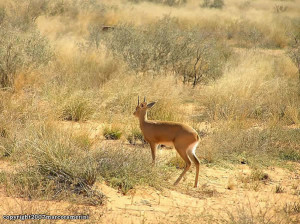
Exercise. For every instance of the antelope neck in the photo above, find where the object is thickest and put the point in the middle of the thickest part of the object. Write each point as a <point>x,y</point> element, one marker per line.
<point>143,118</point>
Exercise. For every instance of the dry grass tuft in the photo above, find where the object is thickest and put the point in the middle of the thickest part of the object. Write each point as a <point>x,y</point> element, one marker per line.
<point>253,88</point>
<point>124,168</point>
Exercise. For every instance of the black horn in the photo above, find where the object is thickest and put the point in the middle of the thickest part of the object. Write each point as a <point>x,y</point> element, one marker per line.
<point>144,99</point>
<point>138,100</point>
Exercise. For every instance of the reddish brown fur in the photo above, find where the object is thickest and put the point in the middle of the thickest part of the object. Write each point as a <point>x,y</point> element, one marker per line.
<point>183,137</point>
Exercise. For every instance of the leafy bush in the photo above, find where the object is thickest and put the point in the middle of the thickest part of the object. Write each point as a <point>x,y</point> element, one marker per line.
<point>163,47</point>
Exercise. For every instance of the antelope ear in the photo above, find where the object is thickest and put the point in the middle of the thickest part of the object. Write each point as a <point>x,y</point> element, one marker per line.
<point>150,105</point>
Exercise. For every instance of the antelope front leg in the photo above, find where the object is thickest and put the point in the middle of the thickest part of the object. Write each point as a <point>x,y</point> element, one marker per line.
<point>153,152</point>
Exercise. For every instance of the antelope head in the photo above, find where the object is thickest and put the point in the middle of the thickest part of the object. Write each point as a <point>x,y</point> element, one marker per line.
<point>142,108</point>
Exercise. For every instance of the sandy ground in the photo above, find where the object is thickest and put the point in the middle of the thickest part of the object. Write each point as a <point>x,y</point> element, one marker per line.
<point>222,191</point>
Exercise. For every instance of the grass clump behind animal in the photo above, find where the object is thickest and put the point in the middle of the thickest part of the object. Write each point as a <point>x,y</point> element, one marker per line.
<point>136,135</point>
<point>124,168</point>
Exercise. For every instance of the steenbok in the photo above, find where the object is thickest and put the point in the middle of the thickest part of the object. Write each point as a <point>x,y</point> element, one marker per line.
<point>183,137</point>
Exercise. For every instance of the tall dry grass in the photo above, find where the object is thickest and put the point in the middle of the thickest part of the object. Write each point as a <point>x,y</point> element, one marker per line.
<point>258,86</point>
<point>255,146</point>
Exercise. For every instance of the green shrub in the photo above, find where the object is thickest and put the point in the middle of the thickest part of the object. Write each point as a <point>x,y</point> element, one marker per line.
<point>163,47</point>
<point>112,133</point>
